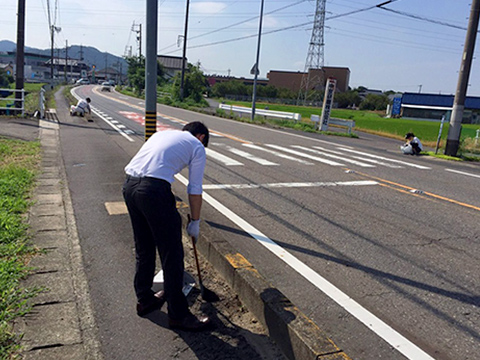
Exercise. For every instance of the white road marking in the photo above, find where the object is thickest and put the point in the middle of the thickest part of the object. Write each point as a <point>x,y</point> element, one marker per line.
<point>222,158</point>
<point>383,330</point>
<point>287,185</point>
<point>247,155</point>
<point>384,158</point>
<point>462,173</point>
<point>360,158</point>
<point>378,162</point>
<point>333,156</point>
<point>311,157</point>
<point>276,153</point>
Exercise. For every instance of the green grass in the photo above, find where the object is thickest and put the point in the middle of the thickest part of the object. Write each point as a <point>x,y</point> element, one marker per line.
<point>18,167</point>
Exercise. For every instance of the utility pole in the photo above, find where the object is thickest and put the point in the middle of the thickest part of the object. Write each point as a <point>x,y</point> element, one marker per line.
<point>151,69</point>
<point>106,64</point>
<point>66,60</point>
<point>139,36</point>
<point>256,67</point>
<point>20,53</point>
<point>182,80</point>
<point>453,138</point>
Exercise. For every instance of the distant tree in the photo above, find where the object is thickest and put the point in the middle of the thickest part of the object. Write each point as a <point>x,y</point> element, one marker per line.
<point>347,99</point>
<point>268,91</point>
<point>284,93</point>
<point>232,87</point>
<point>5,79</point>
<point>194,86</point>
<point>374,102</point>
<point>136,73</point>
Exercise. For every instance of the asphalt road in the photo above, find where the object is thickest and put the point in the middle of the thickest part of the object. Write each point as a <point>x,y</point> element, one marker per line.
<point>380,249</point>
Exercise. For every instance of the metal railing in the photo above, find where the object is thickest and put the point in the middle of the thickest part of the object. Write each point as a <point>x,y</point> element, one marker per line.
<point>12,106</point>
<point>349,124</point>
<point>262,112</point>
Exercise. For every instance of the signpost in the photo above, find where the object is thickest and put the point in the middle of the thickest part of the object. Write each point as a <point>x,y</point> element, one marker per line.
<point>327,103</point>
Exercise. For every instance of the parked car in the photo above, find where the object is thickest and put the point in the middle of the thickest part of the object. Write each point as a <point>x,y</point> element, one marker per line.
<point>105,86</point>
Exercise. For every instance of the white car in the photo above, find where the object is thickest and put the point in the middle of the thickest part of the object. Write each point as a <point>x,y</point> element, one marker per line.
<point>82,82</point>
<point>105,86</point>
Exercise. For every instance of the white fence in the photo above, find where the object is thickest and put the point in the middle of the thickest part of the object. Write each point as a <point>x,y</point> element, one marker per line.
<point>11,106</point>
<point>262,112</point>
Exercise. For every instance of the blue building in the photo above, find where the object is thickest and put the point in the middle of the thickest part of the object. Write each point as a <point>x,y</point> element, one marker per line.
<point>433,107</point>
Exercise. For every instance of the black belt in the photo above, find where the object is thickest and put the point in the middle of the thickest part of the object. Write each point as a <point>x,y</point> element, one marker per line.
<point>149,178</point>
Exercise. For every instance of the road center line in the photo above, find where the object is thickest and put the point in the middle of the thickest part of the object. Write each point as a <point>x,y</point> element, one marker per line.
<point>287,185</point>
<point>383,330</point>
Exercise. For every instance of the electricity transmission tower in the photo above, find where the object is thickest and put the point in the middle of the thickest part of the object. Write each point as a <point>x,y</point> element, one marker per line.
<point>313,77</point>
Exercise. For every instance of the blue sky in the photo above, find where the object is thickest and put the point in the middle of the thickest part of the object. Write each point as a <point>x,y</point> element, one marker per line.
<point>384,50</point>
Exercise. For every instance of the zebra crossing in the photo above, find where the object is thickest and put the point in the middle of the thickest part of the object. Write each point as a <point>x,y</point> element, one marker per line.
<point>269,154</point>
<point>265,155</point>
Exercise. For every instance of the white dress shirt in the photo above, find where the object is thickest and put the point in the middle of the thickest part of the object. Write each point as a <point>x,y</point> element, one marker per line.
<point>167,153</point>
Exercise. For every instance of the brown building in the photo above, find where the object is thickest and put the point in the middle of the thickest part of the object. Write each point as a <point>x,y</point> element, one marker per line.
<point>293,80</point>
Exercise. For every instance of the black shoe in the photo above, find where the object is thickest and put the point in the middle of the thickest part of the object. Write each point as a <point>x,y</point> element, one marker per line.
<point>190,323</point>
<point>156,303</point>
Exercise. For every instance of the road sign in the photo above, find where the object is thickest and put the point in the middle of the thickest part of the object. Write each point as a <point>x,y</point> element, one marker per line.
<point>327,103</point>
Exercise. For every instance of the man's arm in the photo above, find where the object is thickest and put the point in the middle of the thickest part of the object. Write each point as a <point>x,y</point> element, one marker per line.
<point>195,202</point>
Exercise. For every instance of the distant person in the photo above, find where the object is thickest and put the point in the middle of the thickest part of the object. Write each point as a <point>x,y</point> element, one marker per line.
<point>413,146</point>
<point>81,107</point>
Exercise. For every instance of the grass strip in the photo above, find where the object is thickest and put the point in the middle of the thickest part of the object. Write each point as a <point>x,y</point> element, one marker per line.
<point>19,163</point>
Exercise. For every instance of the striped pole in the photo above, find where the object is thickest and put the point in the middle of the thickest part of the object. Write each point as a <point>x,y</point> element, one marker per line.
<point>150,124</point>
<point>151,69</point>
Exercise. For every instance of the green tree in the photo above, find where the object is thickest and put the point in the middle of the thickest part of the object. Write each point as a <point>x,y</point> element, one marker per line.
<point>5,79</point>
<point>136,73</point>
<point>347,99</point>
<point>194,86</point>
<point>374,102</point>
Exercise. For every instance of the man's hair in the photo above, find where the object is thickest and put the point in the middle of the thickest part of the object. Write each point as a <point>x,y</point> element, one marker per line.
<point>88,100</point>
<point>409,135</point>
<point>198,128</point>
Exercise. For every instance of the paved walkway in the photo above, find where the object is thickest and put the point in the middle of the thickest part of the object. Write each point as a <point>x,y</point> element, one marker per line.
<point>61,324</point>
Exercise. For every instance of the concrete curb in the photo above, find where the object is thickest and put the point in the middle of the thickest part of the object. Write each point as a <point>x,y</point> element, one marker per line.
<point>297,336</point>
<point>61,323</point>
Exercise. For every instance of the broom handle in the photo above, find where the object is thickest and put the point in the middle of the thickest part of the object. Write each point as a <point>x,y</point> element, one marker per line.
<point>196,257</point>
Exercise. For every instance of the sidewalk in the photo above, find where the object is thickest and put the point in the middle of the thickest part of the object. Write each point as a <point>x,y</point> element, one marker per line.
<point>61,324</point>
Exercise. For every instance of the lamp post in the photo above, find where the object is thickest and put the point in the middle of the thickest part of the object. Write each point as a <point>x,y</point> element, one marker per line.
<point>255,67</point>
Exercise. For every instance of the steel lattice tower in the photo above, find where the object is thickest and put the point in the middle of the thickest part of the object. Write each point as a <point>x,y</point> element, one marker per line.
<point>313,77</point>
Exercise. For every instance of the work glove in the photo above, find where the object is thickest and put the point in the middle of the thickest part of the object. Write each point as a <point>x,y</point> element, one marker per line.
<point>193,229</point>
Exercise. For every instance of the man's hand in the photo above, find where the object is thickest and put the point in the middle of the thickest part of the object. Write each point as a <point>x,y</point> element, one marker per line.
<point>193,229</point>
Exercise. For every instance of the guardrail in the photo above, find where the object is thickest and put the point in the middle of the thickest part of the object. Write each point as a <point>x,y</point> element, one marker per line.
<point>349,124</point>
<point>262,112</point>
<point>11,106</point>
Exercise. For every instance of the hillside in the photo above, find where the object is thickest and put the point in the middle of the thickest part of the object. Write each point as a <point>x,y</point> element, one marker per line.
<point>91,55</point>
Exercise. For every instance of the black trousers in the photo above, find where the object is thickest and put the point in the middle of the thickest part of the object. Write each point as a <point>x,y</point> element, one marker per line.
<point>157,225</point>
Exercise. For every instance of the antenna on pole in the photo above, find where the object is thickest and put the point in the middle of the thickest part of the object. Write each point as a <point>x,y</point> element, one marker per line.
<point>313,77</point>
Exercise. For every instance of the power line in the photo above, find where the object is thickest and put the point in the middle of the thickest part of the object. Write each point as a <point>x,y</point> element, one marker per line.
<point>423,18</point>
<point>235,24</point>
<point>273,31</point>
